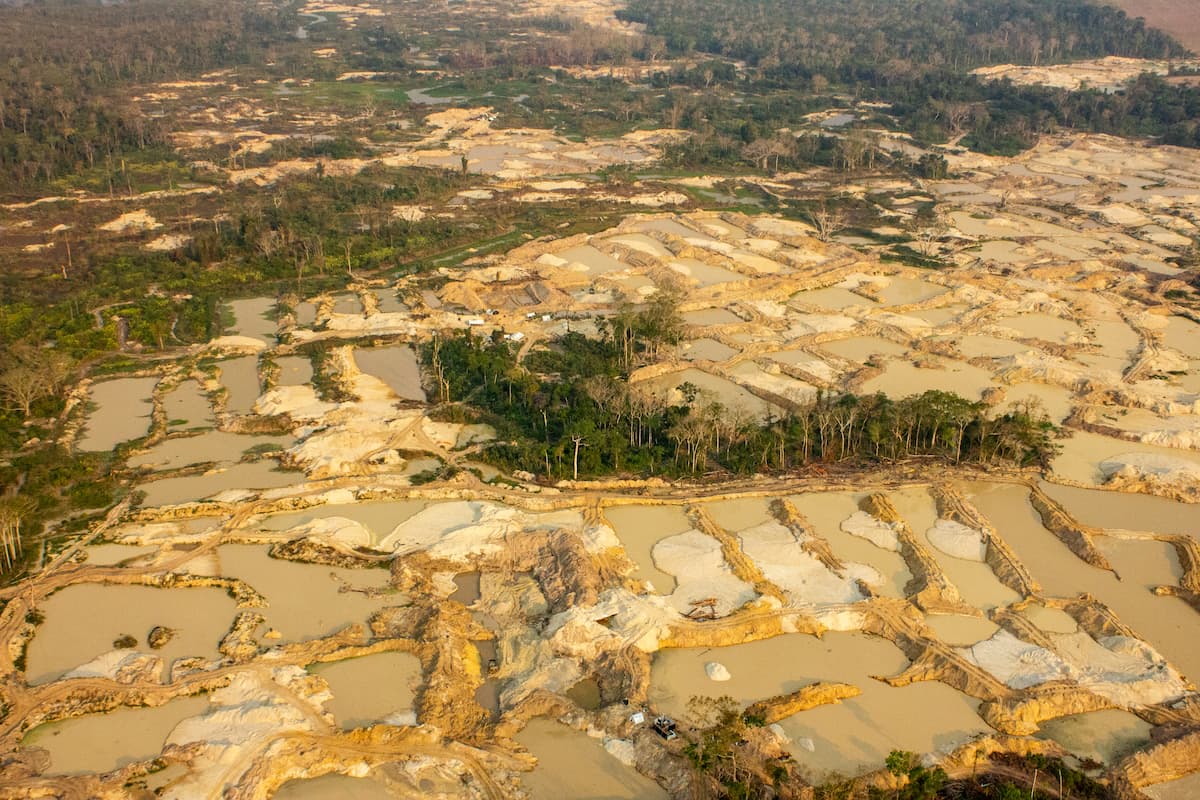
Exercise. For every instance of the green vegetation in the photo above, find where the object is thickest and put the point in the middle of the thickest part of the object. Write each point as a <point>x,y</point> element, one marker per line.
<point>720,746</point>
<point>916,57</point>
<point>570,412</point>
<point>715,749</point>
<point>67,66</point>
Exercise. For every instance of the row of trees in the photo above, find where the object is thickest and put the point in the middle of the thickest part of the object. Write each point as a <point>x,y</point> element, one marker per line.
<point>570,411</point>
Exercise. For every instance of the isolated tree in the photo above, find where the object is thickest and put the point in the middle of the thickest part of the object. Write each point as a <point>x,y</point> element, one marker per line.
<point>578,441</point>
<point>827,220</point>
<point>29,373</point>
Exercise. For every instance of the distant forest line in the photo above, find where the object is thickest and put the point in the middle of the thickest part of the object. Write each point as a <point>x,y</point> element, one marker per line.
<point>66,67</point>
<point>917,55</point>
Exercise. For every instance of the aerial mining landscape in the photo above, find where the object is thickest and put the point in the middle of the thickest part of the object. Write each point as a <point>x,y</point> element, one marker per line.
<point>664,399</point>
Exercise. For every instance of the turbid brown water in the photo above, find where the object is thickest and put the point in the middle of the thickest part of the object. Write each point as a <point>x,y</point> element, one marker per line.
<point>379,517</point>
<point>975,580</point>
<point>103,742</point>
<point>372,688</point>
<point>210,446</point>
<point>123,408</point>
<point>1134,512</point>
<point>1105,736</point>
<point>850,737</point>
<point>640,528</point>
<point>321,608</point>
<point>333,787</point>
<point>189,488</point>
<point>239,376</point>
<point>573,765</point>
<point>186,406</point>
<point>826,511</point>
<point>83,620</point>
<point>396,366</point>
<point>294,371</point>
<point>254,317</point>
<point>1167,623</point>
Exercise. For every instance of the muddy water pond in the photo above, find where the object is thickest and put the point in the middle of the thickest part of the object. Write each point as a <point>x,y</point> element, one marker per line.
<point>975,580</point>
<point>466,588</point>
<point>322,607</point>
<point>673,228</point>
<point>857,735</point>
<point>1167,623</point>
<point>850,737</point>
<point>736,514</point>
<point>123,408</point>
<point>643,244</point>
<point>186,406</point>
<point>104,742</point>
<point>1115,338</point>
<point>1182,335</point>
<point>1134,512</point>
<point>333,787</point>
<point>704,274</point>
<point>724,391</point>
<point>711,316</point>
<point>708,350</point>
<point>109,554</point>
<point>379,517</point>
<point>215,446</point>
<point>1183,789</point>
<point>396,366</point>
<point>976,346</point>
<point>571,764</point>
<point>940,315</point>
<point>1042,326</point>
<point>239,376</point>
<point>255,318</point>
<point>594,262</point>
<point>904,379</point>
<point>769,667</point>
<point>905,291</point>
<point>191,488</point>
<point>1084,453</point>
<point>306,314</point>
<point>864,348</point>
<point>370,689</point>
<point>640,528</point>
<point>1105,736</point>
<point>1050,620</point>
<point>832,298</point>
<point>348,303</point>
<point>388,303</point>
<point>82,621</point>
<point>960,630</point>
<point>294,371</point>
<point>826,511</point>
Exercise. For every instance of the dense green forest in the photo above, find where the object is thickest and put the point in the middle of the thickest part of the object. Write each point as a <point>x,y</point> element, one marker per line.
<point>916,55</point>
<point>66,69</point>
<point>844,40</point>
<point>569,411</point>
